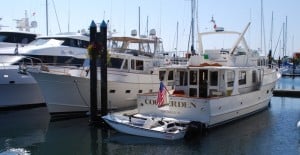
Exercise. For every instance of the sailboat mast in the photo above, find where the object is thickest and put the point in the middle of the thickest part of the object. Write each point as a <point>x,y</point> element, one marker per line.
<point>192,26</point>
<point>46,17</point>
<point>271,35</point>
<point>285,40</point>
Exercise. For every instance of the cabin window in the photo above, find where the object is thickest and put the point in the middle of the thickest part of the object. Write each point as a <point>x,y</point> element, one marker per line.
<point>162,75</point>
<point>254,76</point>
<point>132,64</point>
<point>171,75</point>
<point>16,37</point>
<point>213,78</point>
<point>230,78</point>
<point>183,78</point>
<point>139,65</point>
<point>115,63</point>
<point>193,77</point>
<point>242,77</point>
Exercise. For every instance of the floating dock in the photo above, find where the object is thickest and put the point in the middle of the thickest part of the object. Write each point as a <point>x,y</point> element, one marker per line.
<point>286,93</point>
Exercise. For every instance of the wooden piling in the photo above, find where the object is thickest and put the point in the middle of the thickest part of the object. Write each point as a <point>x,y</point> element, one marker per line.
<point>93,73</point>
<point>103,42</point>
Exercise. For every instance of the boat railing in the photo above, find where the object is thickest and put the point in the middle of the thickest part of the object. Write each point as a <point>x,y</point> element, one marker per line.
<point>33,63</point>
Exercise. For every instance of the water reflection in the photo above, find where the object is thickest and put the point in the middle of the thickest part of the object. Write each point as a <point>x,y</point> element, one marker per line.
<point>272,131</point>
<point>23,128</point>
<point>288,83</point>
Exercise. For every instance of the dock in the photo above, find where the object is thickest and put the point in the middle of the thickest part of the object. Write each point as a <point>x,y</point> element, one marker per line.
<point>286,93</point>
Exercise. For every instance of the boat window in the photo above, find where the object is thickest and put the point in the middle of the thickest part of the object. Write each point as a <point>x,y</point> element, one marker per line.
<point>132,64</point>
<point>171,75</point>
<point>182,78</point>
<point>16,37</point>
<point>254,76</point>
<point>139,65</point>
<point>115,63</point>
<point>162,75</point>
<point>40,41</point>
<point>242,77</point>
<point>213,78</point>
<point>193,77</point>
<point>2,38</point>
<point>230,78</point>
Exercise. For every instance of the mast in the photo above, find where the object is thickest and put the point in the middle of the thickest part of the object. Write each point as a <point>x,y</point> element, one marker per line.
<point>283,39</point>
<point>285,36</point>
<point>46,17</point>
<point>177,37</point>
<point>271,34</point>
<point>139,33</point>
<point>192,26</point>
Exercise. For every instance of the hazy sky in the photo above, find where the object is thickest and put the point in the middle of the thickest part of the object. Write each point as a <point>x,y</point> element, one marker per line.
<point>163,16</point>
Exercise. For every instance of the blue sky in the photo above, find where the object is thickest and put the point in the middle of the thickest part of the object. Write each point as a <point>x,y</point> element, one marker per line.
<point>163,16</point>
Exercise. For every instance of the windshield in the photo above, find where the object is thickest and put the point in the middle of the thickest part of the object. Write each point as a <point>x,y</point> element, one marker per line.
<point>44,41</point>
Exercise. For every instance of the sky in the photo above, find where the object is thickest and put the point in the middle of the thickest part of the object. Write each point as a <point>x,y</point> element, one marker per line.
<point>164,16</point>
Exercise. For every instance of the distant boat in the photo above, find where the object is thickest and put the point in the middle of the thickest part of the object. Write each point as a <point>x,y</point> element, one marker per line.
<point>154,127</point>
<point>291,66</point>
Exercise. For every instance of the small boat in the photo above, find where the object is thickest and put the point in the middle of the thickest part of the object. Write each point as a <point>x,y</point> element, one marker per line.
<point>141,125</point>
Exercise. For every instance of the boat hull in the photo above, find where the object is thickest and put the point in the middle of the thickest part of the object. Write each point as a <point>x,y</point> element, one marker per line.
<point>19,90</point>
<point>69,94</point>
<point>210,111</point>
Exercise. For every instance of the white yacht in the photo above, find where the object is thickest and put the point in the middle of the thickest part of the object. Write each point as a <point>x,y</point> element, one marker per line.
<point>17,86</point>
<point>215,87</point>
<point>131,70</point>
<point>14,85</point>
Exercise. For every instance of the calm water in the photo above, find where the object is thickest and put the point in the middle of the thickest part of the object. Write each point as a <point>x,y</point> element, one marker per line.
<point>272,131</point>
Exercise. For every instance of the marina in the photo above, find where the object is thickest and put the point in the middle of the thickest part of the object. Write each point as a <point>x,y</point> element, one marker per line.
<point>102,91</point>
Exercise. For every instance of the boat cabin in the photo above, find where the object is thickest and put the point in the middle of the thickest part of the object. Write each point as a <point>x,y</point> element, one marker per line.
<point>211,81</point>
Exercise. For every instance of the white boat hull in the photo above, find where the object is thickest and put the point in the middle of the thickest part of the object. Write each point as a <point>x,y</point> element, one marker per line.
<point>210,111</point>
<point>67,94</point>
<point>140,131</point>
<point>18,89</point>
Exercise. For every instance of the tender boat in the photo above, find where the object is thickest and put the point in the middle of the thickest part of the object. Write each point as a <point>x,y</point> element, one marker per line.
<point>154,127</point>
<point>216,86</point>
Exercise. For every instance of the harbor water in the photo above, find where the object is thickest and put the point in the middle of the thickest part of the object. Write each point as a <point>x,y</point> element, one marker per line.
<point>271,131</point>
